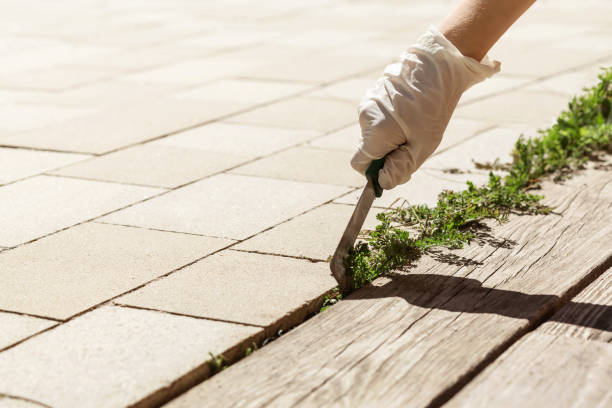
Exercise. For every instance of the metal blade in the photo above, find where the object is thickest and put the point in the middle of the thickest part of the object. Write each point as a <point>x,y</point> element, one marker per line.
<point>349,237</point>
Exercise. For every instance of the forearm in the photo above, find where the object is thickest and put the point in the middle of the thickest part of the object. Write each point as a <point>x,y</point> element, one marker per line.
<point>475,25</point>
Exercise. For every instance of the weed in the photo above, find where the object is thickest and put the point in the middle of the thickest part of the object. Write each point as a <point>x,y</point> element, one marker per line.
<point>581,133</point>
<point>217,362</point>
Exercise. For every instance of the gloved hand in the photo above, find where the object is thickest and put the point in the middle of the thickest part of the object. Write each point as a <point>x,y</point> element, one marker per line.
<point>406,112</point>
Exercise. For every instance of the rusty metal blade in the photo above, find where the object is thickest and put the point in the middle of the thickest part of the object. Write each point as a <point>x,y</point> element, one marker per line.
<point>337,264</point>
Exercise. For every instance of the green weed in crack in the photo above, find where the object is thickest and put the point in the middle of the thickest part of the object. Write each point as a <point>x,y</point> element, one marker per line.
<point>583,132</point>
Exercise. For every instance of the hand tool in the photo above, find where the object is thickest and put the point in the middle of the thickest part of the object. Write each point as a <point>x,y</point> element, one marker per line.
<point>371,190</point>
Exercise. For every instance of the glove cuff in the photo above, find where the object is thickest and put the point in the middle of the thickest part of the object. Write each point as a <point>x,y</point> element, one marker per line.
<point>433,41</point>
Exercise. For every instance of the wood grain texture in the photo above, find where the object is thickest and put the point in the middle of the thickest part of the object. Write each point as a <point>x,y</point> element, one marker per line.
<point>414,336</point>
<point>566,362</point>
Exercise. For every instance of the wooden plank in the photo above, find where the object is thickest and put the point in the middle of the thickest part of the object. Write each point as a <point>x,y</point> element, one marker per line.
<point>567,362</point>
<point>415,337</point>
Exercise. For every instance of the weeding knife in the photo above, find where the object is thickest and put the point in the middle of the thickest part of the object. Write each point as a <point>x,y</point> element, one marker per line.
<point>371,190</point>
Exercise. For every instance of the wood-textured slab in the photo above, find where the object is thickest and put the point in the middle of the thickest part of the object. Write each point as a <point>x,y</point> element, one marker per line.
<point>415,337</point>
<point>566,362</point>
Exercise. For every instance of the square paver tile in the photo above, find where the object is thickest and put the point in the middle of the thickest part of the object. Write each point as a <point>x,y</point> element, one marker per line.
<point>65,273</point>
<point>16,164</point>
<point>486,147</point>
<point>313,235</point>
<point>154,165</point>
<point>113,357</point>
<point>306,164</point>
<point>226,205</point>
<point>248,91</point>
<point>239,287</point>
<point>537,109</point>
<point>423,188</point>
<point>346,139</point>
<point>121,126</point>
<point>17,327</point>
<point>44,204</point>
<point>238,139</point>
<point>302,113</point>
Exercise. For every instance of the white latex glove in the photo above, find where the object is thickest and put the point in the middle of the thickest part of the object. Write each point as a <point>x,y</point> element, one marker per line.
<point>407,111</point>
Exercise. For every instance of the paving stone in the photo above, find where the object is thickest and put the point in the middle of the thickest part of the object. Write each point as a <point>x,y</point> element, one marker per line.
<point>154,165</point>
<point>321,68</point>
<point>54,79</point>
<point>351,90</point>
<point>569,84</point>
<point>121,126</point>
<point>496,84</point>
<point>25,117</point>
<point>44,204</point>
<point>423,188</point>
<point>109,94</point>
<point>197,71</point>
<point>459,130</point>
<point>91,263</point>
<point>269,288</point>
<point>225,205</point>
<point>511,107</point>
<point>296,237</point>
<point>244,90</point>
<point>18,327</point>
<point>302,113</point>
<point>346,139</point>
<point>113,357</point>
<point>238,139</point>
<point>488,146</point>
<point>19,163</point>
<point>306,164</point>
<point>8,402</point>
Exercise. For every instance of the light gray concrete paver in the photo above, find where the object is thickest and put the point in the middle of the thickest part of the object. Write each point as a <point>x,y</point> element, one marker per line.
<point>459,130</point>
<point>17,327</point>
<point>121,126</point>
<point>302,113</point>
<point>306,164</point>
<point>238,139</point>
<point>267,287</point>
<point>8,402</point>
<point>232,206</point>
<point>24,117</point>
<point>44,204</point>
<point>16,164</point>
<point>511,107</point>
<point>63,274</point>
<point>346,139</point>
<point>350,90</point>
<point>321,68</point>
<point>496,143</point>
<point>243,90</point>
<point>314,234</point>
<point>55,79</point>
<point>423,188</point>
<point>113,356</point>
<point>154,165</point>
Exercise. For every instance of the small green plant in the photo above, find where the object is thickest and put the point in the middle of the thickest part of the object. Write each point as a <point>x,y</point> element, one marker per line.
<point>217,362</point>
<point>581,133</point>
<point>331,300</point>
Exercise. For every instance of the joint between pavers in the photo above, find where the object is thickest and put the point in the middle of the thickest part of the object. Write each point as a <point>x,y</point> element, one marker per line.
<point>300,257</point>
<point>117,304</point>
<point>24,399</point>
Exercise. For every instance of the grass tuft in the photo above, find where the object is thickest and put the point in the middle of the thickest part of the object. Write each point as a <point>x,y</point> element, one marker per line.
<point>581,133</point>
